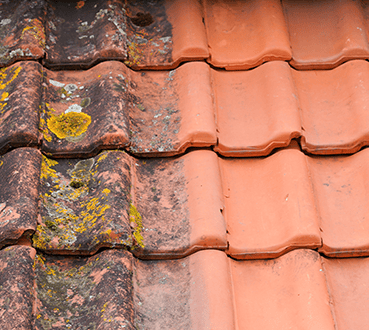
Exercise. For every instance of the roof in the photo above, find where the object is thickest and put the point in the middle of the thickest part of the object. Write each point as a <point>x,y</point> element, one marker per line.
<point>184,164</point>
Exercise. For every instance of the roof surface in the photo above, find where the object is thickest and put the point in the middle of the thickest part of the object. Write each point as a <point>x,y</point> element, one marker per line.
<point>178,164</point>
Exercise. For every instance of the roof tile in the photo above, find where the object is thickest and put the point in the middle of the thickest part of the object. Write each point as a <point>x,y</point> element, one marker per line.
<point>22,32</point>
<point>19,189</point>
<point>19,119</point>
<point>16,287</point>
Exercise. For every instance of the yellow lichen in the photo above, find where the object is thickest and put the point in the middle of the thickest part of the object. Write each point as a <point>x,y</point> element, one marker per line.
<point>136,219</point>
<point>69,124</point>
<point>46,170</point>
<point>3,83</point>
<point>36,30</point>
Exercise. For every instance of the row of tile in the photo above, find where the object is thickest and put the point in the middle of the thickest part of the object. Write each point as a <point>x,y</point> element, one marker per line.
<point>163,33</point>
<point>206,290</point>
<point>169,208</point>
<point>248,113</point>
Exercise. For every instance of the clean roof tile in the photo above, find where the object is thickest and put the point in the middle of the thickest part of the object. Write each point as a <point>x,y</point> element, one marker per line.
<point>22,32</point>
<point>323,34</point>
<point>269,205</point>
<point>244,34</point>
<point>19,189</point>
<point>16,287</point>
<point>84,32</point>
<point>84,204</point>
<point>20,97</point>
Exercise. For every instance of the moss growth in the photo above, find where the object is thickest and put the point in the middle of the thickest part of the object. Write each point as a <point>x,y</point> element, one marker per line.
<point>69,124</point>
<point>136,219</point>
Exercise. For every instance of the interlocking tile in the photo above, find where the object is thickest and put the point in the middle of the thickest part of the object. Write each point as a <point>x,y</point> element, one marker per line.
<point>22,34</point>
<point>158,208</point>
<point>84,32</point>
<point>273,103</point>
<point>19,188</point>
<point>110,106</point>
<point>285,293</point>
<point>20,96</point>
<point>84,204</point>
<point>323,34</point>
<point>244,34</point>
<point>85,111</point>
<point>269,205</point>
<point>112,290</point>
<point>16,287</point>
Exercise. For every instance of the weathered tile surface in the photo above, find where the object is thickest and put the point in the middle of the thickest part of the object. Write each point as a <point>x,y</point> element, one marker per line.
<point>85,293</point>
<point>22,32</point>
<point>20,97</point>
<point>19,189</point>
<point>16,287</point>
<point>85,204</point>
<point>81,33</point>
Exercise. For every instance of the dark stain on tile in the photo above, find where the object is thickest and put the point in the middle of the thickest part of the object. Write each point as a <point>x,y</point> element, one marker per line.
<point>19,189</point>
<point>80,33</point>
<point>22,33</point>
<point>149,35</point>
<point>85,293</point>
<point>16,287</point>
<point>20,97</point>
<point>85,204</point>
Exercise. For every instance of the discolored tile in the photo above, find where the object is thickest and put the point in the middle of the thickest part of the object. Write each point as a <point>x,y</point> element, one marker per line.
<point>81,33</point>
<point>19,189</point>
<point>16,287</point>
<point>84,293</point>
<point>269,205</point>
<point>20,98</point>
<point>22,32</point>
<point>244,34</point>
<point>85,204</point>
<point>85,111</point>
<point>179,205</point>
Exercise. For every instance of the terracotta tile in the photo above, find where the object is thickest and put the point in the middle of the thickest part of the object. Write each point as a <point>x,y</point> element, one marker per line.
<point>190,293</point>
<point>16,287</point>
<point>163,33</point>
<point>341,195</point>
<point>244,34</point>
<point>347,281</point>
<point>262,113</point>
<point>171,110</point>
<point>22,32</point>
<point>19,189</point>
<point>85,111</point>
<point>84,32</point>
<point>324,34</point>
<point>334,108</point>
<point>180,207</point>
<point>19,118</point>
<point>285,293</point>
<point>269,205</point>
<point>85,293</point>
<point>84,204</point>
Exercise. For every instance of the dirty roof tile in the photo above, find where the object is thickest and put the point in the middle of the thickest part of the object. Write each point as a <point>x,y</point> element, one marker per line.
<point>324,34</point>
<point>22,31</point>
<point>84,293</point>
<point>163,33</point>
<point>180,207</point>
<point>16,287</point>
<point>341,194</point>
<point>154,207</point>
<point>19,189</point>
<point>20,97</point>
<point>84,204</point>
<point>244,34</point>
<point>85,111</point>
<point>84,32</point>
<point>289,292</point>
<point>269,205</point>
